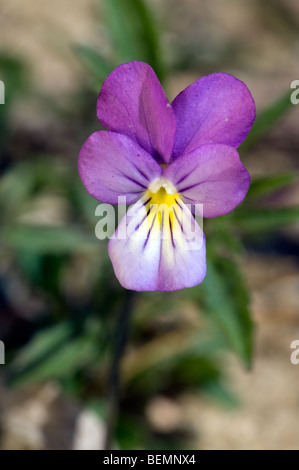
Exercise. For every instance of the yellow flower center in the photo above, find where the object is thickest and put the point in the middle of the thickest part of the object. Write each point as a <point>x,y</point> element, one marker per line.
<point>162,197</point>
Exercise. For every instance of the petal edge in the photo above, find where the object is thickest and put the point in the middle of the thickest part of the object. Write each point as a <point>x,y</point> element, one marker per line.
<point>216,109</point>
<point>132,102</point>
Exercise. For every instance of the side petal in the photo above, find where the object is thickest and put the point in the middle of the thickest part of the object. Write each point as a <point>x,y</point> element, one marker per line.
<point>153,249</point>
<point>212,175</point>
<point>217,109</point>
<point>132,102</point>
<point>112,165</point>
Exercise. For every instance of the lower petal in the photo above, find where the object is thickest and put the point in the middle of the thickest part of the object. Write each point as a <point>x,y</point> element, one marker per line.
<point>155,248</point>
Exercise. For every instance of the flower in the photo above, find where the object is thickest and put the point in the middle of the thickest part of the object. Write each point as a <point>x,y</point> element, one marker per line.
<point>174,154</point>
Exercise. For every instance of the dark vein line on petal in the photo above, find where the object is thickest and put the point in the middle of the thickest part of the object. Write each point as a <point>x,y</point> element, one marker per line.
<point>170,227</point>
<point>186,176</point>
<point>146,202</point>
<point>207,180</point>
<point>178,204</point>
<point>145,217</point>
<point>177,218</point>
<point>149,232</point>
<point>140,172</point>
<point>134,181</point>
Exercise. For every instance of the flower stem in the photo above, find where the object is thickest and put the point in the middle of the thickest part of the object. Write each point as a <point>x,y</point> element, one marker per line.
<point>120,340</point>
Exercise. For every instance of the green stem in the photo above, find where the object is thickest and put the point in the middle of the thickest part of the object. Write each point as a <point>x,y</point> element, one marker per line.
<point>120,341</point>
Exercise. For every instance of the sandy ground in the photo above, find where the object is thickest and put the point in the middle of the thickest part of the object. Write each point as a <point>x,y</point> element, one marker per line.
<point>44,32</point>
<point>268,414</point>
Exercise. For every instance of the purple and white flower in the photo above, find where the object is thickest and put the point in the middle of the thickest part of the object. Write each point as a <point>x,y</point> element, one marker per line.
<point>175,155</point>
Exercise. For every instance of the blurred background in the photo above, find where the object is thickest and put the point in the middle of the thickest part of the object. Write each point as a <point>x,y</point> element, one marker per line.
<point>207,367</point>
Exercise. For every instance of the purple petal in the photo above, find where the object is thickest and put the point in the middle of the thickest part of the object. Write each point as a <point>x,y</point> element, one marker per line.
<point>132,102</point>
<point>111,165</point>
<point>212,175</point>
<point>156,251</point>
<point>217,109</point>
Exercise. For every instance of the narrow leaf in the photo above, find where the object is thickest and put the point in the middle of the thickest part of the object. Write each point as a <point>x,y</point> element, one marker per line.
<point>226,300</point>
<point>267,119</point>
<point>253,219</point>
<point>266,185</point>
<point>94,62</point>
<point>133,32</point>
<point>44,240</point>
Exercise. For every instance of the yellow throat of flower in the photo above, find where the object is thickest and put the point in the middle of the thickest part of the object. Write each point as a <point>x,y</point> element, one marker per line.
<point>162,199</point>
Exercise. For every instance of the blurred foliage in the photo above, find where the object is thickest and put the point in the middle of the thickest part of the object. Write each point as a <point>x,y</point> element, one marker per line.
<point>265,121</point>
<point>133,34</point>
<point>179,341</point>
<point>13,73</point>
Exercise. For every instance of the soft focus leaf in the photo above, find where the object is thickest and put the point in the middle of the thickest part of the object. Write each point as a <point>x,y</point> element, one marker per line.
<point>133,32</point>
<point>131,433</point>
<point>14,74</point>
<point>193,370</point>
<point>220,393</point>
<point>43,239</point>
<point>24,179</point>
<point>225,298</point>
<point>222,237</point>
<point>56,353</point>
<point>95,63</point>
<point>266,120</point>
<point>43,342</point>
<point>74,355</point>
<point>161,354</point>
<point>254,219</point>
<point>83,201</point>
<point>15,187</point>
<point>266,185</point>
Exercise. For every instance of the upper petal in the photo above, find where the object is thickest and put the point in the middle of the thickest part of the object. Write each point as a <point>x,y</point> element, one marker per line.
<point>157,250</point>
<point>132,102</point>
<point>212,175</point>
<point>111,165</point>
<point>216,109</point>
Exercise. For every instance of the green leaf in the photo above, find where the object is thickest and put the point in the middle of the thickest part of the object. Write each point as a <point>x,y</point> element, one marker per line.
<point>14,74</point>
<point>29,177</point>
<point>66,360</point>
<point>222,236</point>
<point>133,32</point>
<point>267,119</point>
<point>46,240</point>
<point>131,432</point>
<point>56,353</point>
<point>195,370</point>
<point>150,365</point>
<point>15,187</point>
<point>219,392</point>
<point>251,220</point>
<point>94,62</point>
<point>83,201</point>
<point>43,342</point>
<point>225,299</point>
<point>266,185</point>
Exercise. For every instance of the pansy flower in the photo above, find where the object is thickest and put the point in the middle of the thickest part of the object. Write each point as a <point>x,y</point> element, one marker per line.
<point>175,155</point>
